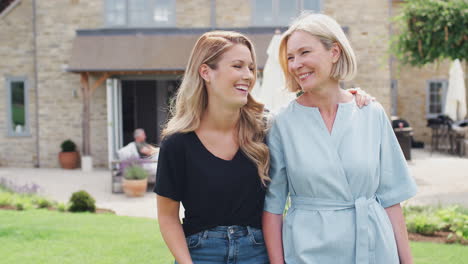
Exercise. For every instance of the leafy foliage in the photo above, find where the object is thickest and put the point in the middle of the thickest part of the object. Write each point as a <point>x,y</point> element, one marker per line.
<point>135,172</point>
<point>430,30</point>
<point>455,220</point>
<point>423,224</point>
<point>428,220</point>
<point>68,146</point>
<point>23,201</point>
<point>82,201</point>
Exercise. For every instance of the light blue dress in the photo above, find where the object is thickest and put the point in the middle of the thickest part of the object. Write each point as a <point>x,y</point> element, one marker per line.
<point>339,184</point>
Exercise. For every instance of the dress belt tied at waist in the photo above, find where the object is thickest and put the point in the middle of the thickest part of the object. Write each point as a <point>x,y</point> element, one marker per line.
<point>361,206</point>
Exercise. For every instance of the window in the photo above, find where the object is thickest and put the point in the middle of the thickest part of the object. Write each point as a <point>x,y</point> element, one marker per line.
<point>280,12</point>
<point>17,103</point>
<point>435,99</point>
<point>140,13</point>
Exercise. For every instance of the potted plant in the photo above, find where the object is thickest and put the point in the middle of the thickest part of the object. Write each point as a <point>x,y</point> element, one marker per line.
<point>135,181</point>
<point>69,157</point>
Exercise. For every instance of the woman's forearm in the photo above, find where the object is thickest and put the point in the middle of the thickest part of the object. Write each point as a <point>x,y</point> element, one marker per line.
<point>171,229</point>
<point>395,214</point>
<point>272,226</point>
<point>173,235</point>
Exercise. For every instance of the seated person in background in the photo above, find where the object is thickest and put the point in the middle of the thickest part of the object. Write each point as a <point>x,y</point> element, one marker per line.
<point>144,149</point>
<point>141,152</point>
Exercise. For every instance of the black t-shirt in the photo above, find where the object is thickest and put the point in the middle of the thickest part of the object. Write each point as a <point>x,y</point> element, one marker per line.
<point>213,191</point>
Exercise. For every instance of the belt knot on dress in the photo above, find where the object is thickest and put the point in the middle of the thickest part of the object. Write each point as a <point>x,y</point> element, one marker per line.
<point>361,205</point>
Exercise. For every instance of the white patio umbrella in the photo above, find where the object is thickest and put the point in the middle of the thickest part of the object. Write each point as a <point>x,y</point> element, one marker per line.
<point>455,101</point>
<point>272,92</point>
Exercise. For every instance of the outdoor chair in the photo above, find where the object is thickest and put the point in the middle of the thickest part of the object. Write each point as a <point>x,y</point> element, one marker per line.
<point>441,133</point>
<point>125,160</point>
<point>457,140</point>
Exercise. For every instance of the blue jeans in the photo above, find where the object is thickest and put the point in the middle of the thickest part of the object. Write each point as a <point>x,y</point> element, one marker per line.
<point>228,245</point>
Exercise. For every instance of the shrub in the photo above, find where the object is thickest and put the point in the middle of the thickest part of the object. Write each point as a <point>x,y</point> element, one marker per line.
<point>456,220</point>
<point>68,146</point>
<point>423,224</point>
<point>43,203</point>
<point>19,206</point>
<point>61,207</point>
<point>135,172</point>
<point>427,220</point>
<point>22,197</point>
<point>6,198</point>
<point>81,201</point>
<point>22,202</point>
<point>459,227</point>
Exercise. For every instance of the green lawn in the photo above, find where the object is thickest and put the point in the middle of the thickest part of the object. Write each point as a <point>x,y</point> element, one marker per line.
<point>431,253</point>
<point>40,236</point>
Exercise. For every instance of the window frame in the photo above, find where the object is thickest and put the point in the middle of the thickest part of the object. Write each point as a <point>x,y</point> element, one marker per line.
<point>172,20</point>
<point>275,6</point>
<point>444,83</point>
<point>10,130</point>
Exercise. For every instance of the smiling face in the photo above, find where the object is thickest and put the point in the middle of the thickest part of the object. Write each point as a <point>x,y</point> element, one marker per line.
<point>309,62</point>
<point>232,78</point>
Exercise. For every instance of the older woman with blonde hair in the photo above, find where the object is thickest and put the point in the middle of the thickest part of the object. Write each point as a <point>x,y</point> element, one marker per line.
<point>345,194</point>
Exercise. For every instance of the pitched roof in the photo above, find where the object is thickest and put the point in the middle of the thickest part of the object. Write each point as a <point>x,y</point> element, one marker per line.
<point>4,4</point>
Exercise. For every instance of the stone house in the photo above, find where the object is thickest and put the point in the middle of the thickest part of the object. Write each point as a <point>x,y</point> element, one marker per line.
<point>418,93</point>
<point>94,70</point>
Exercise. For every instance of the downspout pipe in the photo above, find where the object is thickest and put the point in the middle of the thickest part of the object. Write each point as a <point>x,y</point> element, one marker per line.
<point>391,60</point>
<point>36,90</point>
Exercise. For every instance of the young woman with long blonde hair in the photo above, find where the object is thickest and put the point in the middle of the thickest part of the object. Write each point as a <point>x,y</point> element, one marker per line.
<point>213,157</point>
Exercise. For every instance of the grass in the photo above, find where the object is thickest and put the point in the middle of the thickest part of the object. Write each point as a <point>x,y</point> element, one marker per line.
<point>431,253</point>
<point>41,236</point>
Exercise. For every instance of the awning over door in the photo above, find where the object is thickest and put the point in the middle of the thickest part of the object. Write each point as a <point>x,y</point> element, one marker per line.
<point>128,50</point>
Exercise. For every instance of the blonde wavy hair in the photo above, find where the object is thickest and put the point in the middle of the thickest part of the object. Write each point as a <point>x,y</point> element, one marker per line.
<point>192,99</point>
<point>328,31</point>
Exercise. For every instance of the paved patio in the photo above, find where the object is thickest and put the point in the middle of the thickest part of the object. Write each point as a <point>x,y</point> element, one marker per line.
<point>59,184</point>
<point>442,179</point>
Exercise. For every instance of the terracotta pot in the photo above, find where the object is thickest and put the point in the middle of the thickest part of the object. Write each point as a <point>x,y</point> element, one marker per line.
<point>134,188</point>
<point>69,160</point>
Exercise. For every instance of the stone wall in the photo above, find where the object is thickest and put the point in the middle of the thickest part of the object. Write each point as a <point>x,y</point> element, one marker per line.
<point>59,96</point>
<point>368,32</point>
<point>16,50</point>
<point>412,94</point>
<point>233,13</point>
<point>193,13</point>
<point>60,111</point>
